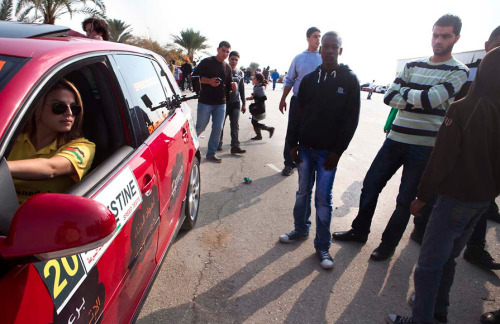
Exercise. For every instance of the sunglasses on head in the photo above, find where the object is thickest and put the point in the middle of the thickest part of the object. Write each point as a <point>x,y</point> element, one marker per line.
<point>59,108</point>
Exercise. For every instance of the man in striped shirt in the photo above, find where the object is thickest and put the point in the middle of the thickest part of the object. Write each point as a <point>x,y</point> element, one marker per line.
<point>422,92</point>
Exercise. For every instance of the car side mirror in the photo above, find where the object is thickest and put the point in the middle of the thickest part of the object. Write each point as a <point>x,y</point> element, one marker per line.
<point>52,225</point>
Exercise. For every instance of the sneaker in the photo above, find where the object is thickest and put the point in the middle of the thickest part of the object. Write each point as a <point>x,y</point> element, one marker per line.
<point>288,170</point>
<point>237,150</point>
<point>396,319</point>
<point>256,138</point>
<point>293,236</point>
<point>480,257</point>
<point>325,259</point>
<point>491,317</point>
<point>271,131</point>
<point>438,319</point>
<point>214,158</point>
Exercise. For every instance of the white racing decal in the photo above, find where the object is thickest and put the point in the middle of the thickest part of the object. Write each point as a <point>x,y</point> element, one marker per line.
<point>122,196</point>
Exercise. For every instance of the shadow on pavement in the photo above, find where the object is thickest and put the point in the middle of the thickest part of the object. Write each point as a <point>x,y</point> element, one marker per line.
<point>233,199</point>
<point>349,198</point>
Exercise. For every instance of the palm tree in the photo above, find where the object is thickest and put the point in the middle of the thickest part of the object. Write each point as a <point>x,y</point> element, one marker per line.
<point>6,9</point>
<point>49,10</point>
<point>191,40</point>
<point>119,31</point>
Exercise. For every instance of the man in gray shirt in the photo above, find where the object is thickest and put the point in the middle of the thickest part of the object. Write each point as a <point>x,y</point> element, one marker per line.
<point>233,105</point>
<point>303,64</point>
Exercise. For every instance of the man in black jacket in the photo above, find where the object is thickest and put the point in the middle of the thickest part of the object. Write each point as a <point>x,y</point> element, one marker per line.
<point>464,173</point>
<point>328,113</point>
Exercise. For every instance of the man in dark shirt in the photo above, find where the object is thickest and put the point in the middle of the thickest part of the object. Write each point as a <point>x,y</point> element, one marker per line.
<point>233,105</point>
<point>186,69</point>
<point>216,82</point>
<point>328,113</point>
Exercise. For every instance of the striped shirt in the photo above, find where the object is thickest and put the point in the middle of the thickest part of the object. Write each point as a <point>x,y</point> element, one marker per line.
<point>422,92</point>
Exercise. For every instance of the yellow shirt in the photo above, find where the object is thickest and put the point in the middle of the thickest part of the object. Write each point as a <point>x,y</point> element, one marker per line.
<point>80,152</point>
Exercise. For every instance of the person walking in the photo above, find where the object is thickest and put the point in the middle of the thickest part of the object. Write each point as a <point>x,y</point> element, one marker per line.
<point>233,105</point>
<point>370,90</point>
<point>327,118</point>
<point>275,76</point>
<point>422,92</point>
<point>258,108</point>
<point>302,64</point>
<point>216,82</point>
<point>464,173</point>
<point>186,69</point>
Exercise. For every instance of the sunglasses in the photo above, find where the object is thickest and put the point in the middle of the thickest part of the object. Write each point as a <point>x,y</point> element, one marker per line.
<point>59,108</point>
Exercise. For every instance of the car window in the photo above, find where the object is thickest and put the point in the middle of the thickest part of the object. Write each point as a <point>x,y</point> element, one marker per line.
<point>9,65</point>
<point>144,83</point>
<point>164,79</point>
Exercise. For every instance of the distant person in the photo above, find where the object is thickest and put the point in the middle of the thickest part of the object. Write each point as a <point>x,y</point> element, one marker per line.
<point>327,117</point>
<point>248,75</point>
<point>422,92</point>
<point>302,64</point>
<point>51,154</point>
<point>275,76</point>
<point>265,73</point>
<point>96,28</point>
<point>464,173</point>
<point>370,90</point>
<point>234,104</point>
<point>258,108</point>
<point>171,66</point>
<point>216,83</point>
<point>186,69</point>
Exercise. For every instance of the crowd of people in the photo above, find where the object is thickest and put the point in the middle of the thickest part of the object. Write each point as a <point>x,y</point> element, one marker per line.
<point>448,149</point>
<point>443,131</point>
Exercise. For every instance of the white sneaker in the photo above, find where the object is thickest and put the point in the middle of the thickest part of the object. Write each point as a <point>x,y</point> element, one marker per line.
<point>326,259</point>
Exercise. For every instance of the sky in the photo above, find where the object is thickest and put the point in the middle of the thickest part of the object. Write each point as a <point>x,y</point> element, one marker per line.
<point>375,34</point>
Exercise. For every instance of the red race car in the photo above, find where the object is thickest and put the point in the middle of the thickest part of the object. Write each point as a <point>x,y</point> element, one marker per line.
<point>90,254</point>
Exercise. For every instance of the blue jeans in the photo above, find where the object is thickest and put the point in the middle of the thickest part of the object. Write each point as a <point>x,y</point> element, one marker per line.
<point>274,83</point>
<point>218,113</point>
<point>309,169</point>
<point>292,119</point>
<point>450,227</point>
<point>389,159</point>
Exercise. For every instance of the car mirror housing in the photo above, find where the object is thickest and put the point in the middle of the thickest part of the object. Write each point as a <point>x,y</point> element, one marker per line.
<point>51,225</point>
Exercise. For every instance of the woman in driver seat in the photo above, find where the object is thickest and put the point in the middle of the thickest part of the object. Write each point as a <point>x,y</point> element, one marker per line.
<point>51,154</point>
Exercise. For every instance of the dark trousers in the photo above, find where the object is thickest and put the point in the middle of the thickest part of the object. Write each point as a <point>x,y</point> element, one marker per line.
<point>389,159</point>
<point>292,116</point>
<point>186,82</point>
<point>274,83</point>
<point>233,111</point>
<point>258,127</point>
<point>370,92</point>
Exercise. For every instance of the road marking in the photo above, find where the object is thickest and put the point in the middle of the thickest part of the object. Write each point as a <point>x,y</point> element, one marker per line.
<point>272,166</point>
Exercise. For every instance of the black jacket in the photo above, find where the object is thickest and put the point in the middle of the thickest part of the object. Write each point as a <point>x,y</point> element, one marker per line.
<point>465,162</point>
<point>328,110</point>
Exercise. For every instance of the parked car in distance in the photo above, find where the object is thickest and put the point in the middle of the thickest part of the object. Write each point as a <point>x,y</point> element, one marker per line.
<point>381,89</point>
<point>89,255</point>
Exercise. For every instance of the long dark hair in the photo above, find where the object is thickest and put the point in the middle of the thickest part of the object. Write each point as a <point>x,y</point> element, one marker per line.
<point>76,129</point>
<point>261,79</point>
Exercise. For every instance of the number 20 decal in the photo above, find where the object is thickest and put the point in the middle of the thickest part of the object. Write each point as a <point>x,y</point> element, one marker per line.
<point>58,284</point>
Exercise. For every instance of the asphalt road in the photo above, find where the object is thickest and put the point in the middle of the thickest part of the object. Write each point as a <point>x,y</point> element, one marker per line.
<point>232,269</point>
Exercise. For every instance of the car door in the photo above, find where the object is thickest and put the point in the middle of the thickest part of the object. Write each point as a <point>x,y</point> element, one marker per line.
<point>106,283</point>
<point>166,136</point>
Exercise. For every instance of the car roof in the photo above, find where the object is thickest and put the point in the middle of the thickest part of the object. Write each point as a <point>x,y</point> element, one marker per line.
<point>9,29</point>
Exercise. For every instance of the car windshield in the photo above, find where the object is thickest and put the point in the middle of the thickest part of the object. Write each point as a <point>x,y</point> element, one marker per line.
<point>9,65</point>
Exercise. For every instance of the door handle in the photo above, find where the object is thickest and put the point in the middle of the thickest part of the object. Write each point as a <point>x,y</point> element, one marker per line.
<point>184,135</point>
<point>148,187</point>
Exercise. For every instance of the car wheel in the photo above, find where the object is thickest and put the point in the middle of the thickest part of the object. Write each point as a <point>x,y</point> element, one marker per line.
<point>192,196</point>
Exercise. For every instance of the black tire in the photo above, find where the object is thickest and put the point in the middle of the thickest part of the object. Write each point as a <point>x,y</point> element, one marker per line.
<point>192,197</point>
